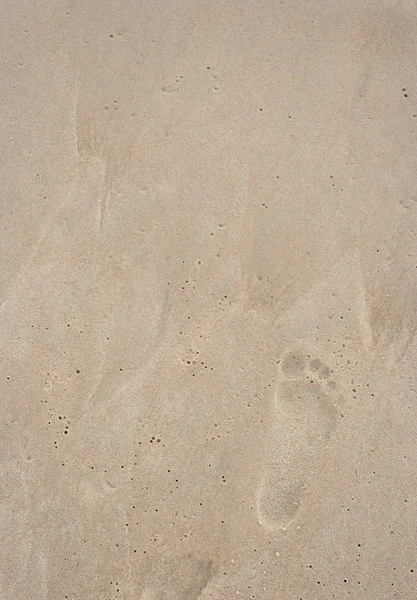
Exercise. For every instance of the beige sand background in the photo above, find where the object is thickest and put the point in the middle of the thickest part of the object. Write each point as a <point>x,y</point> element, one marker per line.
<point>208,300</point>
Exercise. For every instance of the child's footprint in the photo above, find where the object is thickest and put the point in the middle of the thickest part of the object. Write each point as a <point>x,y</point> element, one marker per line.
<point>305,419</point>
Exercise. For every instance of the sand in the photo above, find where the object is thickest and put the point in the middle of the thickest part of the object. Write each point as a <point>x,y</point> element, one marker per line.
<point>208,300</point>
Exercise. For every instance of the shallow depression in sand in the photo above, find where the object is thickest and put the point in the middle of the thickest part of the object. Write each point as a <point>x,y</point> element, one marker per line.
<point>305,417</point>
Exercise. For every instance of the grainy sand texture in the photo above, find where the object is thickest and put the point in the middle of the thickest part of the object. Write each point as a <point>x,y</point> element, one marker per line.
<point>208,300</point>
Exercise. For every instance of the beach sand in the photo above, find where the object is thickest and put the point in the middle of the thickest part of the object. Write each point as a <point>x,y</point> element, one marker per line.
<point>208,300</point>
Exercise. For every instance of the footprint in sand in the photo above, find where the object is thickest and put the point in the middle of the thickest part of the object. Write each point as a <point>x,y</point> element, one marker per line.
<point>306,415</point>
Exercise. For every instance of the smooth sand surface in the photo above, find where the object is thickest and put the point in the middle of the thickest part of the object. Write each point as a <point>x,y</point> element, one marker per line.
<point>208,300</point>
